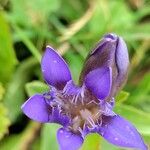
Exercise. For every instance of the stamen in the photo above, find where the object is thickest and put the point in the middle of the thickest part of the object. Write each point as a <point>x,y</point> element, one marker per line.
<point>77,97</point>
<point>80,130</point>
<point>76,123</point>
<point>80,105</point>
<point>97,114</point>
<point>59,101</point>
<point>92,101</point>
<point>91,121</point>
<point>99,122</point>
<point>74,99</point>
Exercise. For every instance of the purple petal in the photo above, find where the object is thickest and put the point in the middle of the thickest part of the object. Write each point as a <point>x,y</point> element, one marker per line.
<point>111,36</point>
<point>107,42</point>
<point>55,70</point>
<point>36,108</point>
<point>122,58</point>
<point>87,130</point>
<point>57,117</point>
<point>122,62</point>
<point>99,82</point>
<point>120,132</point>
<point>68,140</point>
<point>103,54</point>
<point>107,109</point>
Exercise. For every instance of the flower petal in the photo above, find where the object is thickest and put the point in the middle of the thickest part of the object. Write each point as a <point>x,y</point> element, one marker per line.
<point>111,36</point>
<point>103,54</point>
<point>122,62</point>
<point>36,108</point>
<point>55,70</point>
<point>57,117</point>
<point>122,57</point>
<point>106,109</point>
<point>68,140</point>
<point>99,82</point>
<point>120,132</point>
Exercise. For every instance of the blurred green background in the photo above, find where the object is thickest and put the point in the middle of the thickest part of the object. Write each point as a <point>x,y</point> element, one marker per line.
<point>72,27</point>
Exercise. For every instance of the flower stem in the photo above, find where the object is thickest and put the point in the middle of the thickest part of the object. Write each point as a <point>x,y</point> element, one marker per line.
<point>27,42</point>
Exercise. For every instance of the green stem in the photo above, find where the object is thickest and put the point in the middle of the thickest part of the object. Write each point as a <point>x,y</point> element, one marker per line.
<point>27,42</point>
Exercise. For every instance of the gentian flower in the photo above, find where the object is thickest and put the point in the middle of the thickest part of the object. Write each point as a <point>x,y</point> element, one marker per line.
<point>87,107</point>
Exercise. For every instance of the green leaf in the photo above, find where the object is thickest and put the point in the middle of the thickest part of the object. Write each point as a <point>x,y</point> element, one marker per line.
<point>75,64</point>
<point>139,118</point>
<point>21,141</point>
<point>142,90</point>
<point>10,142</point>
<point>36,144</point>
<point>142,12</point>
<point>92,142</point>
<point>36,87</point>
<point>15,94</point>
<point>107,17</point>
<point>122,96</point>
<point>48,137</point>
<point>137,32</point>
<point>7,55</point>
<point>2,91</point>
<point>43,6</point>
<point>4,121</point>
<point>30,11</point>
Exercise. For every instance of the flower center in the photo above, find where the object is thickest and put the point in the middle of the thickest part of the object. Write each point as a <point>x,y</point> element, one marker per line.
<point>80,105</point>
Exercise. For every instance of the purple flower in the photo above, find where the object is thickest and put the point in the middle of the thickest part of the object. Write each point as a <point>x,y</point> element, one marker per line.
<point>87,107</point>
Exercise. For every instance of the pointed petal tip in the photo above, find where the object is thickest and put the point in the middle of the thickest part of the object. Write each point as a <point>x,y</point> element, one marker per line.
<point>36,108</point>
<point>22,106</point>
<point>120,132</point>
<point>111,36</point>
<point>55,70</point>
<point>48,46</point>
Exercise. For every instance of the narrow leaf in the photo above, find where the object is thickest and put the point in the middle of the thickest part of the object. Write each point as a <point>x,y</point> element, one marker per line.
<point>36,87</point>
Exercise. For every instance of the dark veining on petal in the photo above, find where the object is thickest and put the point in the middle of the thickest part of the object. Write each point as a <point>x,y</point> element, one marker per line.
<point>105,54</point>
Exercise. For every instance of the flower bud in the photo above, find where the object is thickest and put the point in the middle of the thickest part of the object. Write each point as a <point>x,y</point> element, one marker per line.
<point>112,52</point>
